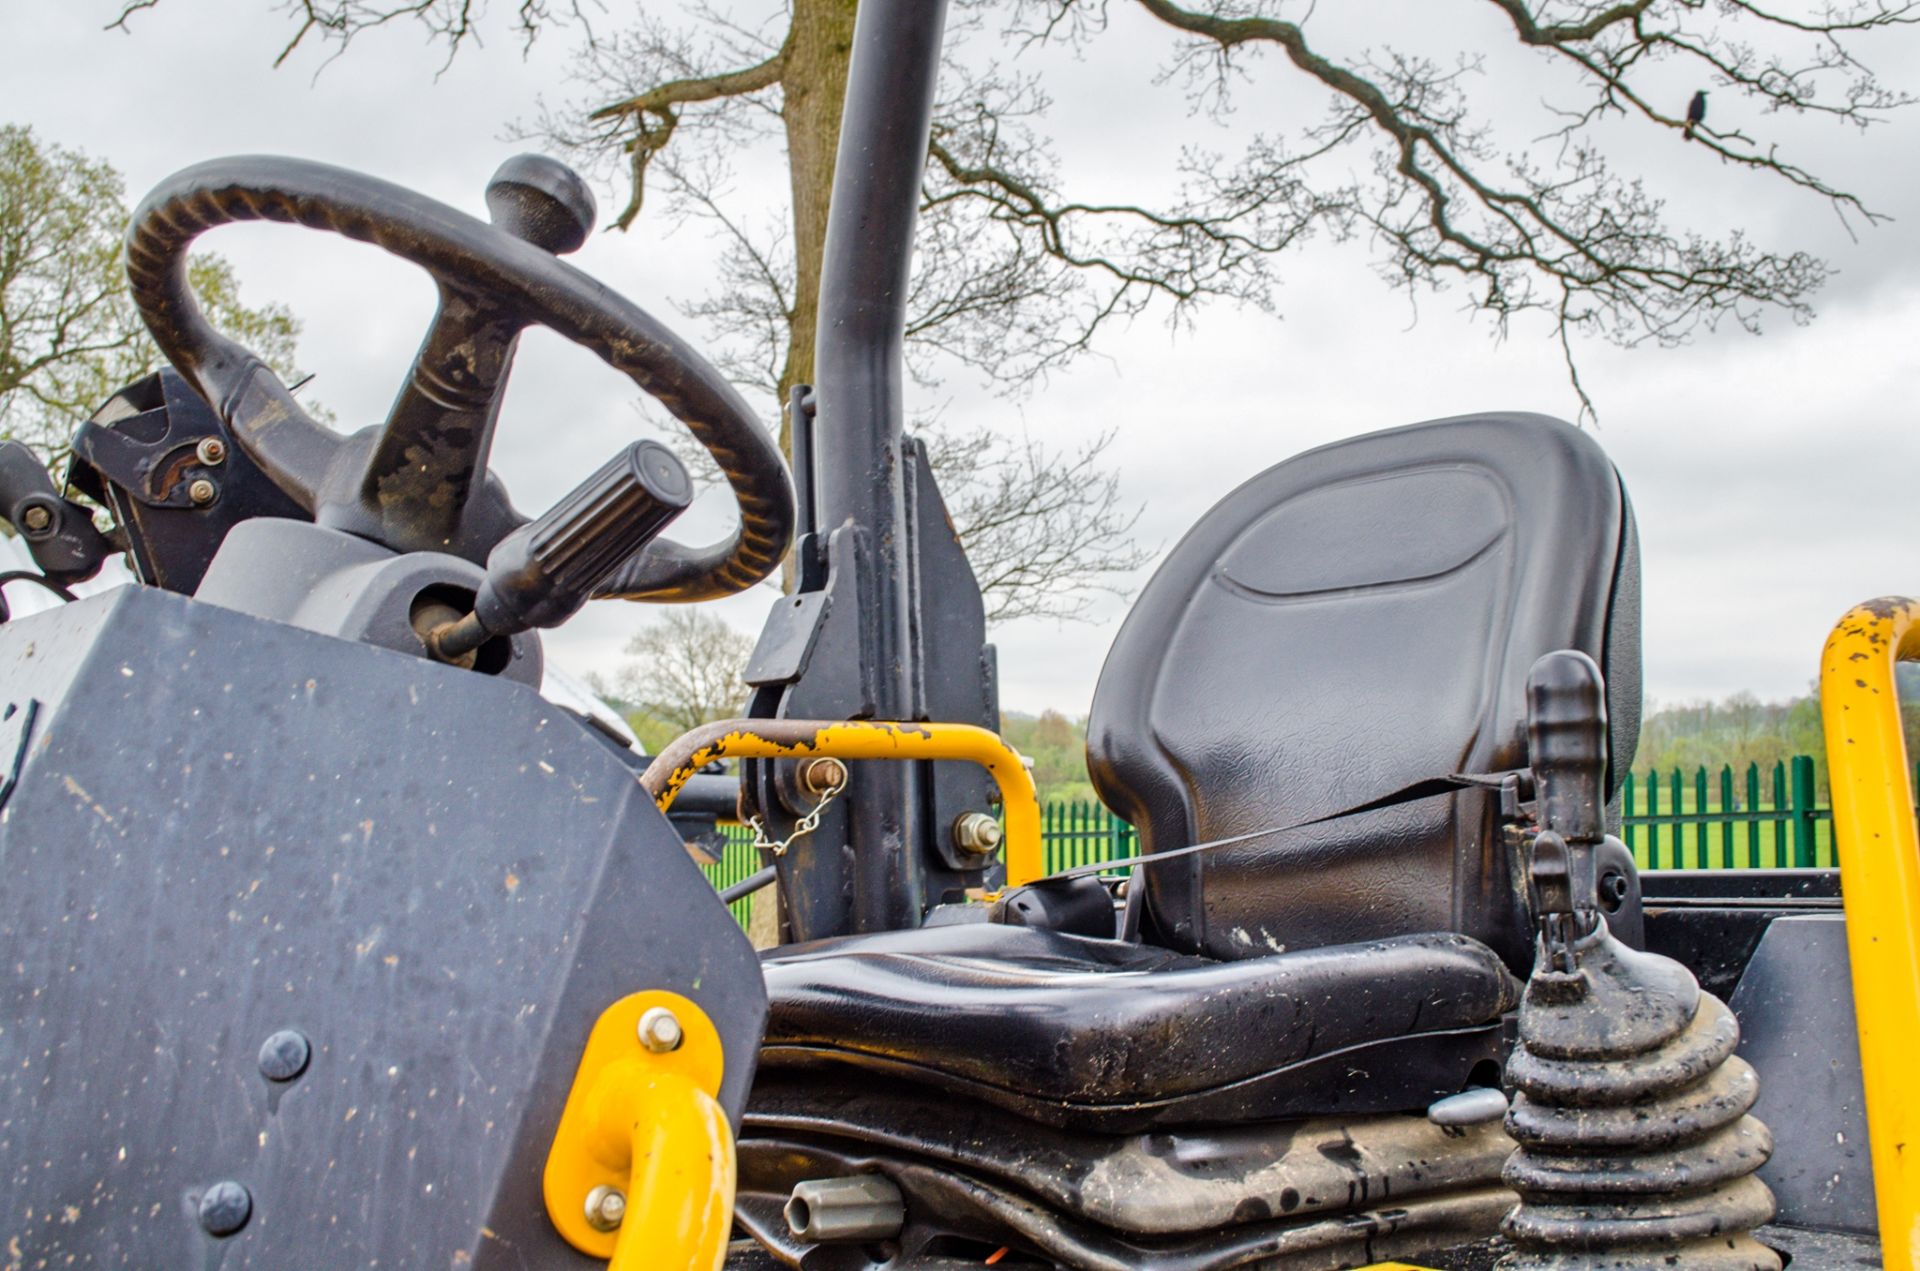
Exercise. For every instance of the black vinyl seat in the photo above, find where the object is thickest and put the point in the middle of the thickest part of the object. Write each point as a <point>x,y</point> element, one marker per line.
<point>1345,625</point>
<point>1113,1035</point>
<point>1350,622</point>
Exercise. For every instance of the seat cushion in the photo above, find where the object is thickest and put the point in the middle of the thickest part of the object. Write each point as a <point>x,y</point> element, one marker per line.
<point>1114,1035</point>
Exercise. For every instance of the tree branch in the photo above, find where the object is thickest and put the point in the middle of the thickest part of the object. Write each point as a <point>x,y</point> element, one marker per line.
<point>752,79</point>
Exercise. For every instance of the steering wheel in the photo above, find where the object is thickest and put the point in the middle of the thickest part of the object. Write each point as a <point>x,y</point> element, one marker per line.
<point>419,482</point>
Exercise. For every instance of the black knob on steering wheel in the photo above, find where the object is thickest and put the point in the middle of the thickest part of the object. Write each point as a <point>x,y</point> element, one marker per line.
<point>419,482</point>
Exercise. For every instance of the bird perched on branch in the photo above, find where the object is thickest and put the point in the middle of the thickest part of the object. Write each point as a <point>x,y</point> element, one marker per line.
<point>1696,113</point>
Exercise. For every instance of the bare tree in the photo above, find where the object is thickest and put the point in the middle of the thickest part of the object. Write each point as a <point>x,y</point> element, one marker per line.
<point>1045,530</point>
<point>1015,278</point>
<point>684,669</point>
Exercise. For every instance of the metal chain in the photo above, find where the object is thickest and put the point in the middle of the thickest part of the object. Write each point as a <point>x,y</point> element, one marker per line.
<point>805,826</point>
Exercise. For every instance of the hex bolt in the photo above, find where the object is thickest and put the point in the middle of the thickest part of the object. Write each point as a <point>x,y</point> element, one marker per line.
<point>225,1208</point>
<point>284,1055</point>
<point>211,451</point>
<point>202,492</point>
<point>864,1207</point>
<point>660,1030</point>
<point>976,832</point>
<point>606,1208</point>
<point>36,518</point>
<point>821,777</point>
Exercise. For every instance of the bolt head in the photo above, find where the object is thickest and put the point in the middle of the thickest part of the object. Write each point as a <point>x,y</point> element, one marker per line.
<point>660,1030</point>
<point>977,832</point>
<point>36,518</point>
<point>606,1208</point>
<point>202,492</point>
<point>284,1055</point>
<point>225,1208</point>
<point>211,451</point>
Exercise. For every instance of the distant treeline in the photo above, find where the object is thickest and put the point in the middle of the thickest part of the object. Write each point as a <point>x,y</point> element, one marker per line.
<point>1058,747</point>
<point>1742,729</point>
<point>1733,732</point>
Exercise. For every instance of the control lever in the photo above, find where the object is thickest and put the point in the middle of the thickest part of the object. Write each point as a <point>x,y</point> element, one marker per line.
<point>59,532</point>
<point>540,575</point>
<point>1567,751</point>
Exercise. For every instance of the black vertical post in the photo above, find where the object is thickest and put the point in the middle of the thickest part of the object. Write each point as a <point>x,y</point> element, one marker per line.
<point>858,374</point>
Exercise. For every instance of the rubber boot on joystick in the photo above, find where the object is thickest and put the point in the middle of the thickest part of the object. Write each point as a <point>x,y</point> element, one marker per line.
<point>1637,1149</point>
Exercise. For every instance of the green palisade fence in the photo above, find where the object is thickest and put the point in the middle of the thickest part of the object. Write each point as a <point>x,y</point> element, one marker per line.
<point>1704,819</point>
<point>737,863</point>
<point>1082,832</point>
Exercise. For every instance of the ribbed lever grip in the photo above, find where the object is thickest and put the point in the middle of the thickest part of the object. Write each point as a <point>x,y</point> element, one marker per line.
<point>543,572</point>
<point>1567,744</point>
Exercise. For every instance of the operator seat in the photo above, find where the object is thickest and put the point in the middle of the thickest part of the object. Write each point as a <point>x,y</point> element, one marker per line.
<point>1348,624</point>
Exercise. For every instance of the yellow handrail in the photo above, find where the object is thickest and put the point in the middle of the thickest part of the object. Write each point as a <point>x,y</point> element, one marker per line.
<point>863,739</point>
<point>1874,834</point>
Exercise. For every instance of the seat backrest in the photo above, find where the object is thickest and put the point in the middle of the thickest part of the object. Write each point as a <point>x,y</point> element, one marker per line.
<point>1350,622</point>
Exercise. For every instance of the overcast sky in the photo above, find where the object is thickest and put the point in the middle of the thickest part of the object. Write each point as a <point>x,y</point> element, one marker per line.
<point>1774,477</point>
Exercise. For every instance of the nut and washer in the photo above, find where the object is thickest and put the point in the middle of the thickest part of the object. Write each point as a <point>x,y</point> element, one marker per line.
<point>211,451</point>
<point>976,832</point>
<point>660,1030</point>
<point>606,1208</point>
<point>36,518</point>
<point>202,492</point>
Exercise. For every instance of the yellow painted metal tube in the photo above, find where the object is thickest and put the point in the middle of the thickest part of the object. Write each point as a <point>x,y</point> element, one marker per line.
<point>645,1124</point>
<point>863,739</point>
<point>683,1175</point>
<point>1873,829</point>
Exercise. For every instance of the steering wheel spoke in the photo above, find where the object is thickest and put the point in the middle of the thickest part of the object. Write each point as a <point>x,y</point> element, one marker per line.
<point>417,481</point>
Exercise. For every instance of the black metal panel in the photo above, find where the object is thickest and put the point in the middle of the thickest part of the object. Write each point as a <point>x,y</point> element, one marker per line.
<point>786,641</point>
<point>224,828</point>
<point>955,677</point>
<point>1711,921</point>
<point>1798,1030</point>
<point>837,681</point>
<point>1788,887</point>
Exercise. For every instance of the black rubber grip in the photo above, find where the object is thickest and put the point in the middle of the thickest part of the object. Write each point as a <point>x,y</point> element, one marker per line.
<point>1567,744</point>
<point>543,572</point>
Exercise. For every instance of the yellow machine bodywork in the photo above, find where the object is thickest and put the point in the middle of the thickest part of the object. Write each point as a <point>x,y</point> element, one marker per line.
<point>1874,832</point>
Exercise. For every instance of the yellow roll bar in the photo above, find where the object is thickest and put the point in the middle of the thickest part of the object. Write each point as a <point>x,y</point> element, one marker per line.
<point>1873,832</point>
<point>863,739</point>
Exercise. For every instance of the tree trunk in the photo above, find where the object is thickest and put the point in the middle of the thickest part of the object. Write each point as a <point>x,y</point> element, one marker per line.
<point>813,87</point>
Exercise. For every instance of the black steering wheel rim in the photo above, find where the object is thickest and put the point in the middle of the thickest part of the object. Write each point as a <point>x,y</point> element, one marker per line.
<point>472,258</point>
